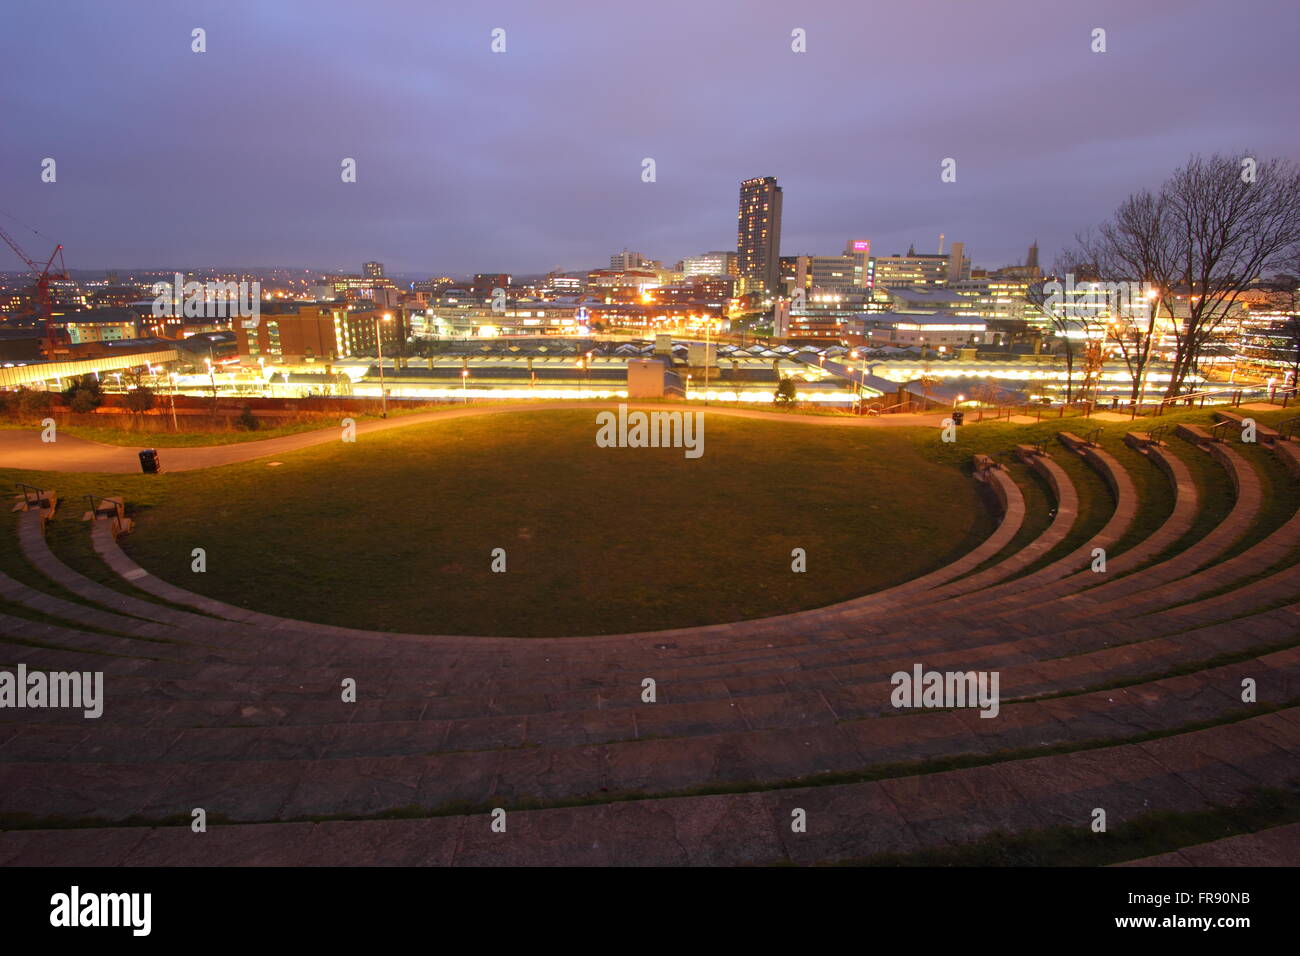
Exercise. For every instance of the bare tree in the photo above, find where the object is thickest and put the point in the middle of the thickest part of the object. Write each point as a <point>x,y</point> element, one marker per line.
<point>1292,325</point>
<point>1290,328</point>
<point>1067,322</point>
<point>1214,227</point>
<point>1126,253</point>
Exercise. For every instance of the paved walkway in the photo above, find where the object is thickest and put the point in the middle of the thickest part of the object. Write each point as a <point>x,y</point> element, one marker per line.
<point>23,448</point>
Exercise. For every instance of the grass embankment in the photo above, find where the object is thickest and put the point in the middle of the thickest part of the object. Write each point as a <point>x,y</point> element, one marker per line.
<point>397,531</point>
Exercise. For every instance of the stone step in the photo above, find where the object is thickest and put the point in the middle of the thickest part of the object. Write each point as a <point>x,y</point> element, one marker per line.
<point>1275,846</point>
<point>1189,772</point>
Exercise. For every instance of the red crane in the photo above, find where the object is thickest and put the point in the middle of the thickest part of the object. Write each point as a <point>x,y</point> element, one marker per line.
<point>44,301</point>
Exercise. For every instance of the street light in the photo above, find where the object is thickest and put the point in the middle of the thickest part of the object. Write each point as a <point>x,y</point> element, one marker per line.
<point>172,376</point>
<point>464,384</point>
<point>862,380</point>
<point>379,346</point>
<point>708,329</point>
<point>212,380</point>
<point>1154,296</point>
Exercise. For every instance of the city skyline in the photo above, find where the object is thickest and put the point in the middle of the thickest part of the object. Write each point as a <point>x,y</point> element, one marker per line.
<point>469,160</point>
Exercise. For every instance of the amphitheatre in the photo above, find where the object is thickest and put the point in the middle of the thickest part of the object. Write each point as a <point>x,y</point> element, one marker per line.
<point>650,680</point>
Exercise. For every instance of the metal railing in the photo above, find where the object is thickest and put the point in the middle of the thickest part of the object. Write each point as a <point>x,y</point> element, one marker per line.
<point>1287,428</point>
<point>119,510</point>
<point>92,504</point>
<point>1093,437</point>
<point>31,494</point>
<point>877,410</point>
<point>1233,395</point>
<point>1214,429</point>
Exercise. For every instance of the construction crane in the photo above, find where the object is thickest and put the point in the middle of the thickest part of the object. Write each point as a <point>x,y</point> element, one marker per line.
<point>44,300</point>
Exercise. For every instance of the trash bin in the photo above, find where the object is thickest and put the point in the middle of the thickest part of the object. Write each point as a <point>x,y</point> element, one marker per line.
<point>958,417</point>
<point>149,463</point>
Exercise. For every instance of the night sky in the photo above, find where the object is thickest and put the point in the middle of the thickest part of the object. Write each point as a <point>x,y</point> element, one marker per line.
<point>528,160</point>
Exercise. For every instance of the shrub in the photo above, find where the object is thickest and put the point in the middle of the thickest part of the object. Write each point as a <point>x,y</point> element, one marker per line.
<point>139,399</point>
<point>25,403</point>
<point>29,402</point>
<point>785,392</point>
<point>94,393</point>
<point>247,420</point>
<point>82,400</point>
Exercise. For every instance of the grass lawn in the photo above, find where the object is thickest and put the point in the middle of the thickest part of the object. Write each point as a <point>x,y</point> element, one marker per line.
<point>396,531</point>
<point>119,435</point>
<point>196,431</point>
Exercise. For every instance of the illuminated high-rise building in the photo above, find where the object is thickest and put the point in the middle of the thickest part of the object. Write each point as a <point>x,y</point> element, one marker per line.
<point>758,234</point>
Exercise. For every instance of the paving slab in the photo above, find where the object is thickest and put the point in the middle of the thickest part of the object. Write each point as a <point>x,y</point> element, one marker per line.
<point>89,847</point>
<point>365,787</point>
<point>1276,846</point>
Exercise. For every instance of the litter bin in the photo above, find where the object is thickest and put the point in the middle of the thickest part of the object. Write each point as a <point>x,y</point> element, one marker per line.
<point>149,463</point>
<point>958,417</point>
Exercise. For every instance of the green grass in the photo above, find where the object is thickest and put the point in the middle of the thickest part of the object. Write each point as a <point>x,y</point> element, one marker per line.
<point>1280,491</point>
<point>1214,495</point>
<point>396,531</point>
<point>195,431</point>
<point>1039,504</point>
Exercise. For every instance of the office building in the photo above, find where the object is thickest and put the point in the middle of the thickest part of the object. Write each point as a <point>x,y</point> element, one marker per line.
<point>758,235</point>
